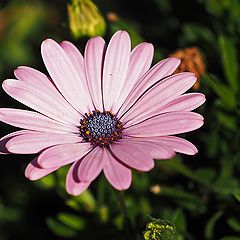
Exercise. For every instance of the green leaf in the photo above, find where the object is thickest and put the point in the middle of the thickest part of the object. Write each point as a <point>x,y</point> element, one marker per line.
<point>237,195</point>
<point>73,204</point>
<point>209,230</point>
<point>119,222</point>
<point>72,221</point>
<point>226,185</point>
<point>140,182</point>
<point>178,166</point>
<point>47,182</point>
<point>103,213</point>
<point>84,201</point>
<point>230,238</point>
<point>179,221</point>
<point>207,174</point>
<point>226,95</point>
<point>214,7</point>
<point>234,224</point>
<point>229,61</point>
<point>196,32</point>
<point>179,237</point>
<point>8,214</point>
<point>185,199</point>
<point>227,120</point>
<point>212,143</point>
<point>145,206</point>
<point>60,229</point>
<point>163,5</point>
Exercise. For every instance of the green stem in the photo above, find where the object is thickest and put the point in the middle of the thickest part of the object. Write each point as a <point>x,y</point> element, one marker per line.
<point>128,226</point>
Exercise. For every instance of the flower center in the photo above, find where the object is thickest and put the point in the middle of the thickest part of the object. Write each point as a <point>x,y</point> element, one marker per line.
<point>100,128</point>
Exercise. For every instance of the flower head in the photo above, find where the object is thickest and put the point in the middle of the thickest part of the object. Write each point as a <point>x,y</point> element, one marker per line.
<point>192,61</point>
<point>107,111</point>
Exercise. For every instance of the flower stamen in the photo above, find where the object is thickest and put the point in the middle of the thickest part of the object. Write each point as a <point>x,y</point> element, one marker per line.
<point>100,128</point>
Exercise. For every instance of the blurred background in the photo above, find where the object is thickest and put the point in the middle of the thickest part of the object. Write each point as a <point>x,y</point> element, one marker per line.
<point>199,194</point>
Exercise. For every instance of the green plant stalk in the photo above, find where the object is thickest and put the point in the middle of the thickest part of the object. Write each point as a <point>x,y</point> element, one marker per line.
<point>128,226</point>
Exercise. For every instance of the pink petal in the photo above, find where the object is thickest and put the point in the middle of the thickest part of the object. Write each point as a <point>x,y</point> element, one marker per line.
<point>64,75</point>
<point>64,154</point>
<point>91,165</point>
<point>34,172</point>
<point>186,102</point>
<point>33,121</point>
<point>133,155</point>
<point>115,67</point>
<point>36,78</point>
<point>32,142</point>
<point>177,144</point>
<point>166,124</point>
<point>73,185</point>
<point>94,57</point>
<point>160,151</point>
<point>4,140</point>
<point>162,93</point>
<point>40,82</point>
<point>159,71</point>
<point>119,176</point>
<point>39,100</point>
<point>78,62</point>
<point>140,62</point>
<point>156,149</point>
<point>75,56</point>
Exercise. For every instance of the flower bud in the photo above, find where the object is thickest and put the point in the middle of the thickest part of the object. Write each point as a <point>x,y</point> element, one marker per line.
<point>85,19</point>
<point>159,229</point>
<point>191,61</point>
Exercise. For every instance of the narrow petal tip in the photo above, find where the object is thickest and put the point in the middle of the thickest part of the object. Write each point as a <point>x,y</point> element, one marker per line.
<point>64,43</point>
<point>175,61</point>
<point>47,44</point>
<point>4,84</point>
<point>34,172</point>
<point>76,189</point>
<point>194,151</point>
<point>203,97</point>
<point>122,34</point>
<point>17,71</point>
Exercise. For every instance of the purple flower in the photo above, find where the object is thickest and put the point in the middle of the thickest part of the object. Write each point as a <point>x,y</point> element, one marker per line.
<point>108,111</point>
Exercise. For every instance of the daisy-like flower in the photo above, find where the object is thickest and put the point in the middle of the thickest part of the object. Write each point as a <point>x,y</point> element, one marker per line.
<point>107,111</point>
